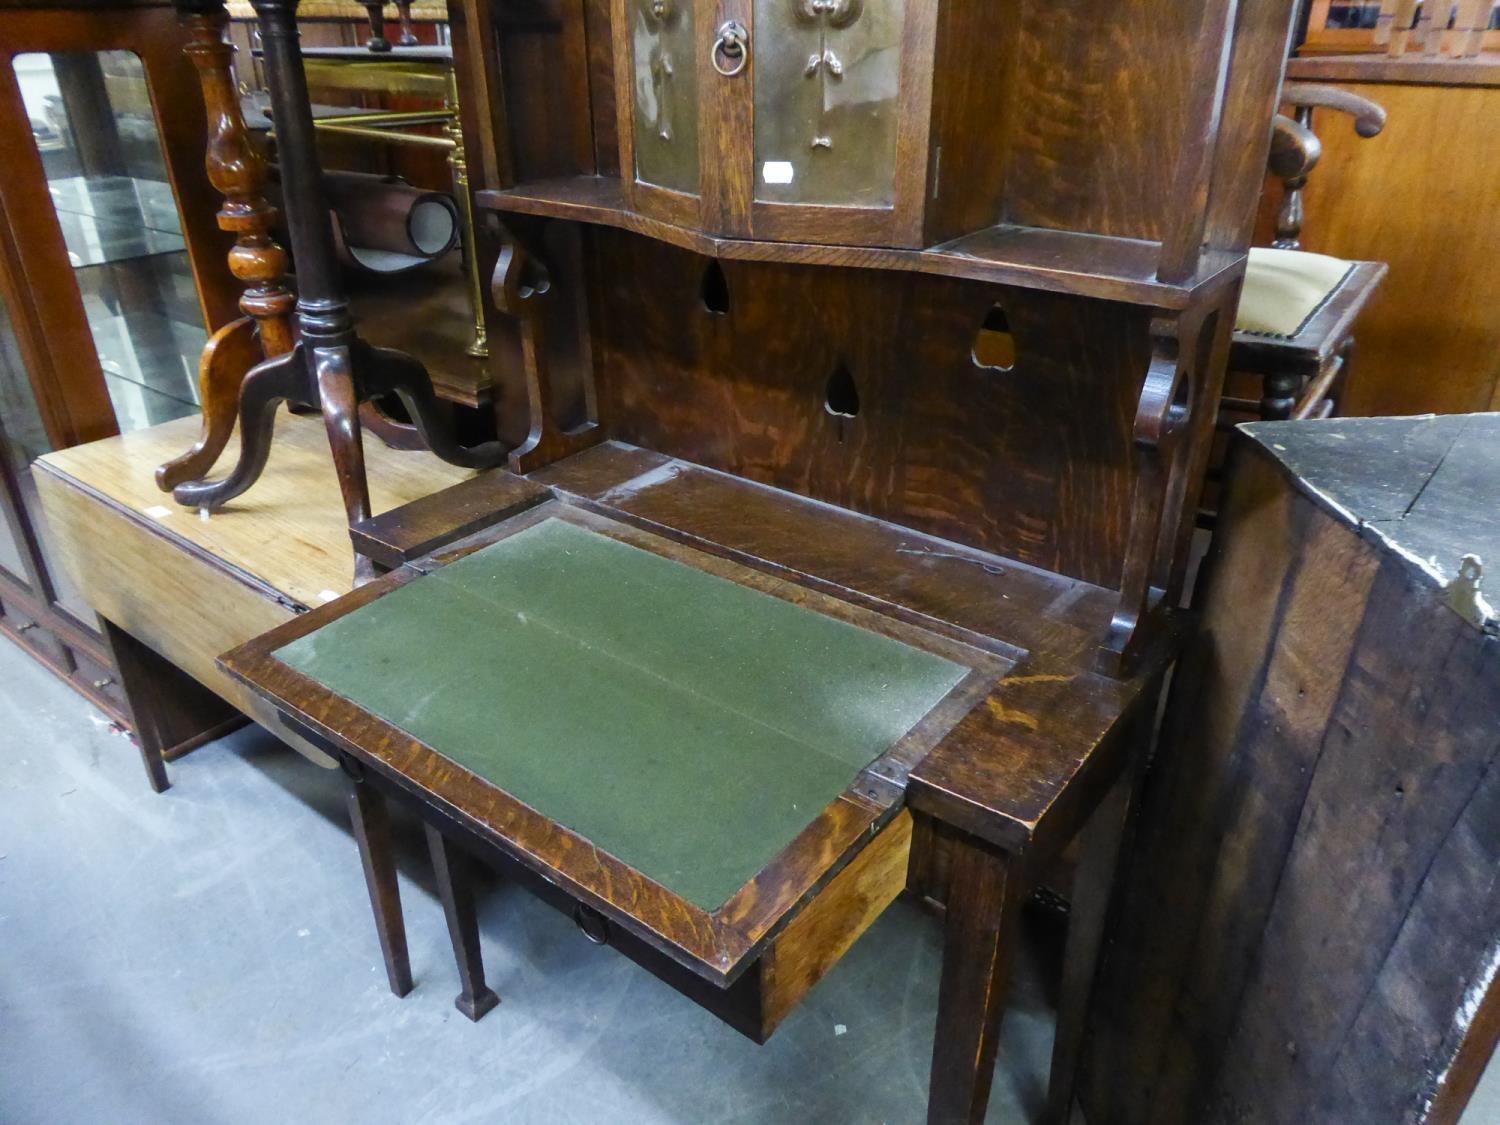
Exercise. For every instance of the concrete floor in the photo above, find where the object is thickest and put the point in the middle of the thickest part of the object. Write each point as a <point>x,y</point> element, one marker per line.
<point>207,956</point>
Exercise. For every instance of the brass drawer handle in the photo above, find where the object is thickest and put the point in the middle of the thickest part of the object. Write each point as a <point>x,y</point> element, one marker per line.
<point>100,685</point>
<point>26,626</point>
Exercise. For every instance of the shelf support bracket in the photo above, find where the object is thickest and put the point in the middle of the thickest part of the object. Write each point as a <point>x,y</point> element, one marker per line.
<point>522,288</point>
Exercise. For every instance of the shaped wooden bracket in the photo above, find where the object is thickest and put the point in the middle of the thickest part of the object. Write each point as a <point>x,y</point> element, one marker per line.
<point>522,288</point>
<point>1161,423</point>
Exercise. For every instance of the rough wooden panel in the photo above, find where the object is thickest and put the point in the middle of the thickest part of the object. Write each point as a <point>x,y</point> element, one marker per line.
<point>816,939</point>
<point>1309,923</point>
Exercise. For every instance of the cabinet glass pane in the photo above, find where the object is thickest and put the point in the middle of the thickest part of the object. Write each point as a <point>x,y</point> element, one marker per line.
<point>666,93</point>
<point>20,432</point>
<point>23,438</point>
<point>827,79</point>
<point>91,118</point>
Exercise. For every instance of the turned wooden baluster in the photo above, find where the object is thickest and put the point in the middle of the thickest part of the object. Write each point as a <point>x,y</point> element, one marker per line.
<point>238,172</point>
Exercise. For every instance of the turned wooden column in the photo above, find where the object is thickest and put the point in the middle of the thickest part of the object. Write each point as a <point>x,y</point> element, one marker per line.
<point>237,170</point>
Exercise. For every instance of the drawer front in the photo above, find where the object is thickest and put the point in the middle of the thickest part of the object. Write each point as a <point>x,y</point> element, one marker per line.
<point>829,925</point>
<point>101,683</point>
<point>17,620</point>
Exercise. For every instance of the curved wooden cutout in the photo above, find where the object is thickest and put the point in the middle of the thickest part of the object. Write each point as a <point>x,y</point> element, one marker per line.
<point>841,397</point>
<point>994,344</point>
<point>715,289</point>
<point>1161,419</point>
<point>522,287</point>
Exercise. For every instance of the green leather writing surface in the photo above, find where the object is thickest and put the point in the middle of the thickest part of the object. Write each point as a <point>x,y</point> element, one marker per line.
<point>686,724</point>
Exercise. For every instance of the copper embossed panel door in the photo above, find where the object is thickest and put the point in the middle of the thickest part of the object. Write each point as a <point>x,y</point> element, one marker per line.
<point>827,91</point>
<point>661,141</point>
<point>841,106</point>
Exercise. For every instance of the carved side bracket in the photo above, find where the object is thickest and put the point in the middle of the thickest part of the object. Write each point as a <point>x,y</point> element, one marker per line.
<point>522,288</point>
<point>1162,422</point>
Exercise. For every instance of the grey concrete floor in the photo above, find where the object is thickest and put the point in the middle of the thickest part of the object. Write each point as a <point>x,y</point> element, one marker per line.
<point>207,955</point>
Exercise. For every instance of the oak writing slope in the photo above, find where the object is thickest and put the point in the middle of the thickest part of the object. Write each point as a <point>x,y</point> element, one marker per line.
<point>861,358</point>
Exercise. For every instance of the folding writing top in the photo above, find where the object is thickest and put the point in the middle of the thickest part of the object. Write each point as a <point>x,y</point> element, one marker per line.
<point>691,719</point>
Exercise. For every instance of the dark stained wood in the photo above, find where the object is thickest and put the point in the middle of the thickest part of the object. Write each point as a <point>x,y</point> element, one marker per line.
<point>746,394</point>
<point>450,869</point>
<point>800,399</point>
<point>1102,841</point>
<point>406,533</point>
<point>330,369</point>
<point>522,288</point>
<point>372,832</point>
<point>1308,923</point>
<point>1255,73</point>
<point>1089,265</point>
<point>983,900</point>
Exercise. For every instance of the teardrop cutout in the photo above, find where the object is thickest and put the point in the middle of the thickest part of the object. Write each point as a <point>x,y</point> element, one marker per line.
<point>994,346</point>
<point>715,289</point>
<point>842,399</point>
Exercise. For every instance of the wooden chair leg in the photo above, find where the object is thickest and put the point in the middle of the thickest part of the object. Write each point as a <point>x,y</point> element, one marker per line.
<point>412,385</point>
<point>1093,887</point>
<point>264,389</point>
<point>452,869</point>
<point>372,832</point>
<point>983,903</point>
<point>229,356</point>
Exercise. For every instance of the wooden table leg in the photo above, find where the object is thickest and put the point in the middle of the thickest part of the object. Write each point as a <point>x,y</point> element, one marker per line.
<point>452,869</point>
<point>983,903</point>
<point>171,712</point>
<point>372,831</point>
<point>1093,886</point>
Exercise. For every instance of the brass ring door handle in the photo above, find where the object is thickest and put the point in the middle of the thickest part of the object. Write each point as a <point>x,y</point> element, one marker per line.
<point>731,49</point>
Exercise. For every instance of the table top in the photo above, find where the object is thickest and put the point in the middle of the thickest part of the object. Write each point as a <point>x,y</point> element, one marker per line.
<point>687,724</point>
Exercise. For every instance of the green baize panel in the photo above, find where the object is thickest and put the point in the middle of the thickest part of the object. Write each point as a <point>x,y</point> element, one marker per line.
<point>687,725</point>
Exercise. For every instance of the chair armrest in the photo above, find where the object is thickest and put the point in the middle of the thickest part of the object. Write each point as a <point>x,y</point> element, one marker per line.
<point>1369,117</point>
<point>1295,149</point>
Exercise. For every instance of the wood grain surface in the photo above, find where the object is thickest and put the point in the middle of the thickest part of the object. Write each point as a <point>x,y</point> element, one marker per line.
<point>1308,932</point>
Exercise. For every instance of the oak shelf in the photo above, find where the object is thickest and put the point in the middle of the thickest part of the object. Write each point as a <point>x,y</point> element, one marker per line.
<point>1085,265</point>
